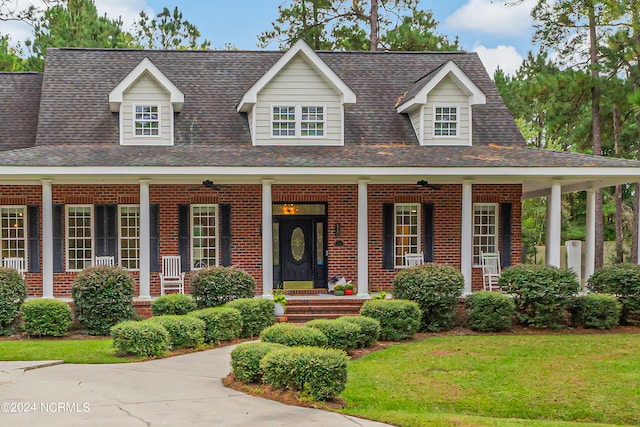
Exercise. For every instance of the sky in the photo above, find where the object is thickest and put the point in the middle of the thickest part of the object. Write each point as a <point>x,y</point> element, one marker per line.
<point>500,35</point>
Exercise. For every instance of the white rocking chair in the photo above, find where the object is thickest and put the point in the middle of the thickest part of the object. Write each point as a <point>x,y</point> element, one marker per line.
<point>105,260</point>
<point>411,260</point>
<point>17,263</point>
<point>490,270</point>
<point>171,276</point>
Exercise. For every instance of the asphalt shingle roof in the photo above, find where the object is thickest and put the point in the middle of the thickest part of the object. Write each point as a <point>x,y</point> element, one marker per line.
<point>19,101</point>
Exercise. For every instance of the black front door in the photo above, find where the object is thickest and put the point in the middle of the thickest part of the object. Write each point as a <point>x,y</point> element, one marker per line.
<point>296,254</point>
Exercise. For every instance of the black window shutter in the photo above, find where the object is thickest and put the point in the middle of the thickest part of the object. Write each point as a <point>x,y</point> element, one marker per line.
<point>154,237</point>
<point>34,239</point>
<point>225,235</point>
<point>183,236</point>
<point>427,232</point>
<point>505,233</point>
<point>388,258</point>
<point>58,239</point>
<point>106,230</point>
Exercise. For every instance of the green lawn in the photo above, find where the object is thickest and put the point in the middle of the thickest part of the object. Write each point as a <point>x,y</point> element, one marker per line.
<point>71,351</point>
<point>526,380</point>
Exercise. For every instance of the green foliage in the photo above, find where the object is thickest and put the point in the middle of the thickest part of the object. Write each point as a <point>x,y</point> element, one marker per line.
<point>399,319</point>
<point>146,339</point>
<point>436,288</point>
<point>13,292</point>
<point>294,335</point>
<point>489,311</point>
<point>47,317</point>
<point>320,372</point>
<point>169,31</point>
<point>10,57</point>
<point>369,329</point>
<point>599,311</point>
<point>216,286</point>
<point>102,297</point>
<point>340,335</point>
<point>184,330</point>
<point>623,281</point>
<point>221,323</point>
<point>541,294</point>
<point>257,314</point>
<point>245,360</point>
<point>173,304</point>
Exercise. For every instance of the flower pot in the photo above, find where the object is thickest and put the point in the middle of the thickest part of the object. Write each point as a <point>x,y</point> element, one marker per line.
<point>278,310</point>
<point>348,291</point>
<point>338,293</point>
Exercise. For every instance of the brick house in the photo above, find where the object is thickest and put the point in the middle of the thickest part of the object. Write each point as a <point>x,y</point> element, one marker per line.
<point>294,166</point>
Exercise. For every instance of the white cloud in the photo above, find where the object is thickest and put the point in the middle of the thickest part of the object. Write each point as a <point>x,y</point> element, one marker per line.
<point>504,57</point>
<point>492,17</point>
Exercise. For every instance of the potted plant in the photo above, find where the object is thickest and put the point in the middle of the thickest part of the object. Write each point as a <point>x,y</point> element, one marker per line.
<point>338,290</point>
<point>280,303</point>
<point>348,289</point>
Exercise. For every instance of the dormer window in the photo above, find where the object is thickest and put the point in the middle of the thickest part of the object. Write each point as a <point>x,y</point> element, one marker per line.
<point>284,121</point>
<point>312,121</point>
<point>445,121</point>
<point>297,120</point>
<point>147,120</point>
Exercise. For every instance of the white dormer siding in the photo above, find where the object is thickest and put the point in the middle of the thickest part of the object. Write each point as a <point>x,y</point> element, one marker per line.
<point>146,92</point>
<point>447,94</point>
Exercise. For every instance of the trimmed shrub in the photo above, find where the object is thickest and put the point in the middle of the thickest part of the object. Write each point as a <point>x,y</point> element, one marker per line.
<point>541,294</point>
<point>623,281</point>
<point>220,323</point>
<point>245,360</point>
<point>142,339</point>
<point>320,372</point>
<point>216,286</point>
<point>489,311</point>
<point>257,314</point>
<point>399,319</point>
<point>294,335</point>
<point>173,304</point>
<point>369,329</point>
<point>184,331</point>
<point>436,288</point>
<point>599,311</point>
<point>102,297</point>
<point>340,335</point>
<point>48,317</point>
<point>13,292</point>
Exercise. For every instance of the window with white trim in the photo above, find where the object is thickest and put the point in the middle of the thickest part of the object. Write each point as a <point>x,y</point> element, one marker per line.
<point>204,236</point>
<point>307,121</point>
<point>283,121</point>
<point>14,231</point>
<point>485,230</point>
<point>146,120</point>
<point>445,121</point>
<point>79,237</point>
<point>407,231</point>
<point>129,236</point>
<point>312,122</point>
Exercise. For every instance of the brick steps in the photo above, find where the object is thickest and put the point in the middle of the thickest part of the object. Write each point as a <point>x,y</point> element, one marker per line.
<point>303,310</point>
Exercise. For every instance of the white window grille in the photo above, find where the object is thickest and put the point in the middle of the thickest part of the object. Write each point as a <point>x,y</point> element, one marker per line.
<point>407,231</point>
<point>129,229</point>
<point>312,121</point>
<point>204,236</point>
<point>445,121</point>
<point>79,237</point>
<point>485,230</point>
<point>13,227</point>
<point>283,121</point>
<point>147,120</point>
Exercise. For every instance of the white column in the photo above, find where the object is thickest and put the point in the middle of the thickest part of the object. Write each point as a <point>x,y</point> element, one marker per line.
<point>554,220</point>
<point>267,239</point>
<point>466,240</point>
<point>145,244</point>
<point>363,239</point>
<point>547,235</point>
<point>590,242</point>
<point>47,239</point>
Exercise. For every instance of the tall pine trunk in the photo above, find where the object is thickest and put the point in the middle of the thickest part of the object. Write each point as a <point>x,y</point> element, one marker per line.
<point>619,233</point>
<point>373,26</point>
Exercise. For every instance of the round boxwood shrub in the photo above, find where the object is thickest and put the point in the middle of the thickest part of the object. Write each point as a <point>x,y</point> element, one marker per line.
<point>245,360</point>
<point>257,314</point>
<point>399,319</point>
<point>216,286</point>
<point>184,331</point>
<point>13,292</point>
<point>623,281</point>
<point>340,335</point>
<point>102,297</point>
<point>142,339</point>
<point>599,311</point>
<point>369,329</point>
<point>294,335</point>
<point>321,372</point>
<point>220,323</point>
<point>173,304</point>
<point>542,294</point>
<point>489,311</point>
<point>46,317</point>
<point>436,288</point>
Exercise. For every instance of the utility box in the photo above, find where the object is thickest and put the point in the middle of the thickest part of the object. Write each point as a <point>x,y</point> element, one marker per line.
<point>574,257</point>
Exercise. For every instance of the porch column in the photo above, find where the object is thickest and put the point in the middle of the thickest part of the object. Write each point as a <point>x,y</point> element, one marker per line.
<point>466,239</point>
<point>555,220</point>
<point>363,240</point>
<point>145,236</point>
<point>47,239</point>
<point>267,239</point>
<point>590,243</point>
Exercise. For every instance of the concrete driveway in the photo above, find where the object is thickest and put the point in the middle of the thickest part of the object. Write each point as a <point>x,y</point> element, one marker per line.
<point>177,391</point>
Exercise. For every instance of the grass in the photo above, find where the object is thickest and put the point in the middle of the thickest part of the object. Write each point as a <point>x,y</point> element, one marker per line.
<point>527,380</point>
<point>71,351</point>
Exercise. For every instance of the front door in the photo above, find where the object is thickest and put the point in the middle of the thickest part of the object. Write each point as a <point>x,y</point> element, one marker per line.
<point>296,252</point>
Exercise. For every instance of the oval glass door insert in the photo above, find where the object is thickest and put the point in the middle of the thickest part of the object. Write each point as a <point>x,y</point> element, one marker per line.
<point>297,244</point>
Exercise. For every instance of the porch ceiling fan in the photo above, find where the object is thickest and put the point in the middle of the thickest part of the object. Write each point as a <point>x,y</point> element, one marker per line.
<point>425,184</point>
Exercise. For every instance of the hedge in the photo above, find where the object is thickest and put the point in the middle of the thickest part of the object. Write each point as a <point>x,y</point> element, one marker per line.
<point>173,304</point>
<point>221,323</point>
<point>623,281</point>
<point>599,311</point>
<point>142,339</point>
<point>46,317</point>
<point>184,331</point>
<point>13,292</point>
<point>489,311</point>
<point>245,360</point>
<point>340,335</point>
<point>399,319</point>
<point>294,335</point>
<point>369,329</point>
<point>215,286</point>
<point>257,314</point>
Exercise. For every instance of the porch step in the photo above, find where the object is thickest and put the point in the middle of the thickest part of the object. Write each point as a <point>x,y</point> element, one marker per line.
<point>300,310</point>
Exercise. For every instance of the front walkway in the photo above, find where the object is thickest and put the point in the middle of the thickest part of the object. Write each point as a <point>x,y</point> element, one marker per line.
<point>178,391</point>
